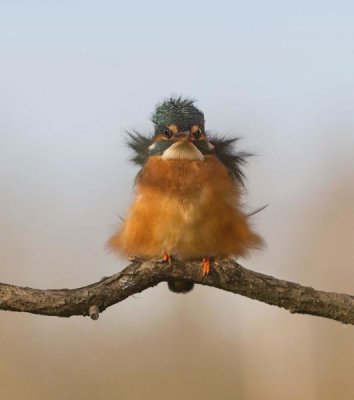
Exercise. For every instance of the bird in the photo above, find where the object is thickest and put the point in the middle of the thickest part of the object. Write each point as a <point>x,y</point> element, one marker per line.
<point>188,193</point>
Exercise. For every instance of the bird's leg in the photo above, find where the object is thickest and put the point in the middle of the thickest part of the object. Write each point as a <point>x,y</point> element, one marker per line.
<point>167,258</point>
<point>206,265</point>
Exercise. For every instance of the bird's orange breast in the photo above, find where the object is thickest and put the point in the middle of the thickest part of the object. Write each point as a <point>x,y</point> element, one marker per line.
<point>188,209</point>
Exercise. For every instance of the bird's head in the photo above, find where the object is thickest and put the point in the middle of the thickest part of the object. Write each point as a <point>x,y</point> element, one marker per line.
<point>179,131</point>
<point>180,134</point>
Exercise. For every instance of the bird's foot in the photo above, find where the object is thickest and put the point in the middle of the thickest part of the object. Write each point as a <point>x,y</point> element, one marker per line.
<point>167,258</point>
<point>206,266</point>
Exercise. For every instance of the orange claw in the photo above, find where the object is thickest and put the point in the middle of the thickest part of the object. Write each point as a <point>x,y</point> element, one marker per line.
<point>206,266</point>
<point>167,258</point>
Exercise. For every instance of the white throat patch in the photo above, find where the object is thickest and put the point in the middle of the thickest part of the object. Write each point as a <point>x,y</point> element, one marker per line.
<point>182,151</point>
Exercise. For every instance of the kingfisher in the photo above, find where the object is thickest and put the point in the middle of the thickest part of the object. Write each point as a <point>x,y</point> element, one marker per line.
<point>188,193</point>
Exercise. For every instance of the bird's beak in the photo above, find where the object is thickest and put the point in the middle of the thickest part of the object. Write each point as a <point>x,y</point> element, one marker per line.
<point>182,136</point>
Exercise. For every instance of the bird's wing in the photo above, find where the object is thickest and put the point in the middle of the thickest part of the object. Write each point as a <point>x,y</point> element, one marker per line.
<point>234,160</point>
<point>140,146</point>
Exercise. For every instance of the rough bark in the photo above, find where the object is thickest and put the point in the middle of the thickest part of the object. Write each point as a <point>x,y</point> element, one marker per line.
<point>139,275</point>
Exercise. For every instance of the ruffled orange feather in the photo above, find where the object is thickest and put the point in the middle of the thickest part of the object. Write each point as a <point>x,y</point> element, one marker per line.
<point>188,209</point>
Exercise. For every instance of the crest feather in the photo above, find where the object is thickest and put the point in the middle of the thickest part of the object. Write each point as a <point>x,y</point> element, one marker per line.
<point>179,111</point>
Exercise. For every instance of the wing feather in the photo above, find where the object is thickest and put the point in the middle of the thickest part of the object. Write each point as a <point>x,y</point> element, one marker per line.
<point>139,144</point>
<point>234,161</point>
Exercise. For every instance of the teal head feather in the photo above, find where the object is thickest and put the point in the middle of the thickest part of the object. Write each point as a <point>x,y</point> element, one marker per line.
<point>178,111</point>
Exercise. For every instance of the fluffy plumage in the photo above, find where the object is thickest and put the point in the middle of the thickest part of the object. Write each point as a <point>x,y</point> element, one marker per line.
<point>187,209</point>
<point>188,191</point>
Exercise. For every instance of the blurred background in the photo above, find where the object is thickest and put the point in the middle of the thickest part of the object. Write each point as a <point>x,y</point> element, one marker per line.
<point>73,76</point>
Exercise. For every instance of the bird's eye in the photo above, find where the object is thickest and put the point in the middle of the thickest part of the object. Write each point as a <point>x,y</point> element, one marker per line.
<point>167,133</point>
<point>198,133</point>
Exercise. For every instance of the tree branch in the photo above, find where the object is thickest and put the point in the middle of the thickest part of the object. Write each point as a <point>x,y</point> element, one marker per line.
<point>138,276</point>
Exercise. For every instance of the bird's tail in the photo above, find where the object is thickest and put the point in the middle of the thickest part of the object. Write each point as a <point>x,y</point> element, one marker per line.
<point>177,286</point>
